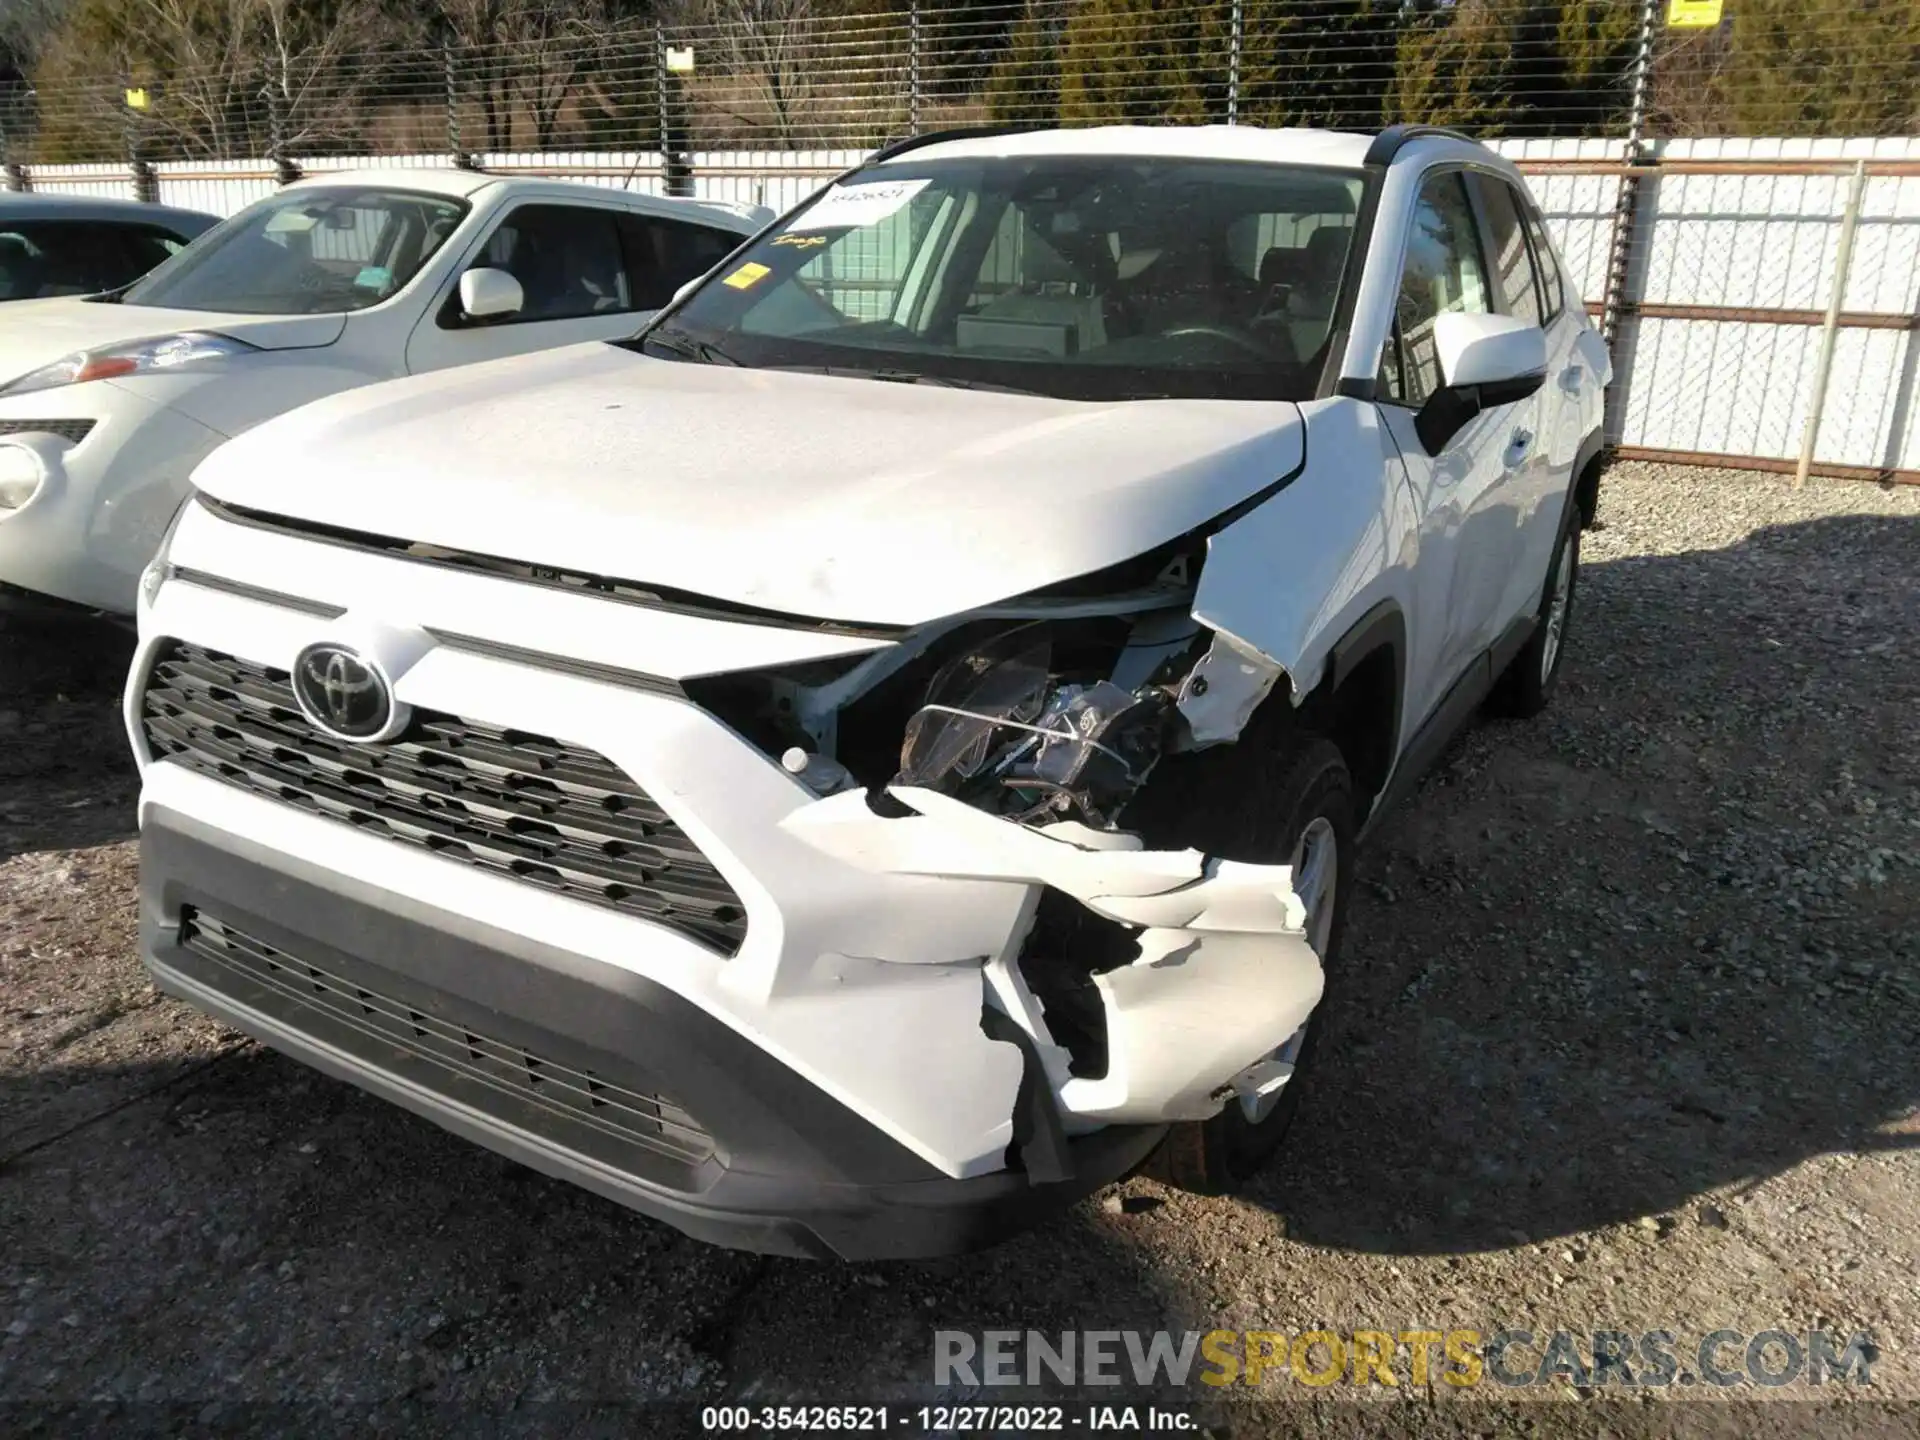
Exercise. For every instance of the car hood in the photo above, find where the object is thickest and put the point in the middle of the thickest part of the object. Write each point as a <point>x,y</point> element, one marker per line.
<point>38,332</point>
<point>821,496</point>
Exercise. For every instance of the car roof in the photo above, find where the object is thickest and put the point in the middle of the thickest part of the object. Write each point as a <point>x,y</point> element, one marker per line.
<point>1343,149</point>
<point>1336,149</point>
<point>461,184</point>
<point>40,205</point>
<point>433,179</point>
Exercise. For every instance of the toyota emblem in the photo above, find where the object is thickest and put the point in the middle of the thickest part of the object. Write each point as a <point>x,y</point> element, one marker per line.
<point>341,693</point>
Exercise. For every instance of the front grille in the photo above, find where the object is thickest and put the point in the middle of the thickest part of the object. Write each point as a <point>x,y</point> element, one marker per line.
<point>74,430</point>
<point>493,1076</point>
<point>551,814</point>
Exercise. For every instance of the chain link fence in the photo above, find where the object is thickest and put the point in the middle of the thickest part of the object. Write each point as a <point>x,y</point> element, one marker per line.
<point>1705,182</point>
<point>269,77</point>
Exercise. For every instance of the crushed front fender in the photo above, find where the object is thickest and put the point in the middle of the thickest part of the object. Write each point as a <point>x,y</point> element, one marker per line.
<point>1223,975</point>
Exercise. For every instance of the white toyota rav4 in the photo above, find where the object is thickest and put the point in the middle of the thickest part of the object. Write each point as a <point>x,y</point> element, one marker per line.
<point>881,754</point>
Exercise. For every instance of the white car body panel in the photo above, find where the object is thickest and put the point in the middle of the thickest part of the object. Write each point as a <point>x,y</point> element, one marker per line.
<point>139,456</point>
<point>567,625</point>
<point>1090,484</point>
<point>1288,578</point>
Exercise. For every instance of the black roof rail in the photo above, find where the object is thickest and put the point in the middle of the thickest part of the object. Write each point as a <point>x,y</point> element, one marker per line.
<point>940,137</point>
<point>1387,143</point>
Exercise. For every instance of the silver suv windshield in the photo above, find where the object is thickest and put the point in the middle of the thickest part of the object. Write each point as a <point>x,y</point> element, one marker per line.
<point>304,252</point>
<point>1097,277</point>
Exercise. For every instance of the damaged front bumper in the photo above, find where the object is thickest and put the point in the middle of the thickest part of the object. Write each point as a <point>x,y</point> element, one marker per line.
<point>868,1073</point>
<point>568,1066</point>
<point>1223,971</point>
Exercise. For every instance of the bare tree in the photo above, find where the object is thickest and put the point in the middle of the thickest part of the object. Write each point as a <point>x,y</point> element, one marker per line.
<point>207,67</point>
<point>316,72</point>
<point>768,52</point>
<point>25,27</point>
<point>526,64</point>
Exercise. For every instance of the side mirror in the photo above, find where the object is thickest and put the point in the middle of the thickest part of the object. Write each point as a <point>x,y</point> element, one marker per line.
<point>1485,361</point>
<point>486,293</point>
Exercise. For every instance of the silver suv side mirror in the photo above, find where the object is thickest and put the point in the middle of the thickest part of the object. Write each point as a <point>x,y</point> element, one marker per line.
<point>486,293</point>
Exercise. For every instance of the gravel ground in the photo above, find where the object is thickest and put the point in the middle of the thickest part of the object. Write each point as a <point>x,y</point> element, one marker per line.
<point>1629,1041</point>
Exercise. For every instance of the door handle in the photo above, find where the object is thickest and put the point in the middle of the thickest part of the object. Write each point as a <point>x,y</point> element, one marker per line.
<point>1517,446</point>
<point>1570,379</point>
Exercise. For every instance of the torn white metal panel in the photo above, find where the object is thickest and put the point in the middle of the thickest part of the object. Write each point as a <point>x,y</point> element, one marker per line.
<point>1232,898</point>
<point>950,838</point>
<point>1007,989</point>
<point>1223,690</point>
<point>1224,974</point>
<point>1285,578</point>
<point>1190,1015</point>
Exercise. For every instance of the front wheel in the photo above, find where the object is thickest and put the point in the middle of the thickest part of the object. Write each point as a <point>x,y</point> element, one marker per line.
<point>1531,676</point>
<point>1299,812</point>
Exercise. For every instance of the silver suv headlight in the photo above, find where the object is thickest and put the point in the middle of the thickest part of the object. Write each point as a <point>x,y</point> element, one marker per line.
<point>158,353</point>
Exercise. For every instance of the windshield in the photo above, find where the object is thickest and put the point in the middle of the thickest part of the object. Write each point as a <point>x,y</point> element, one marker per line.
<point>1095,277</point>
<point>304,252</point>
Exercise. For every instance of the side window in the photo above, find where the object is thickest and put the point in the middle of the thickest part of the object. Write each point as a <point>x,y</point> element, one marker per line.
<point>662,255</point>
<point>1444,272</point>
<point>1552,288</point>
<point>567,259</point>
<point>1512,266</point>
<point>21,263</point>
<point>71,257</point>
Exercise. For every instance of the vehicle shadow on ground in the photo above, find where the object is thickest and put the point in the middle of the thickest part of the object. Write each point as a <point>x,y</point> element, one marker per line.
<point>1660,940</point>
<point>66,776</point>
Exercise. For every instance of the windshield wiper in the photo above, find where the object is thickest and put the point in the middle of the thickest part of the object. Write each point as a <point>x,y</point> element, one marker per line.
<point>907,377</point>
<point>680,343</point>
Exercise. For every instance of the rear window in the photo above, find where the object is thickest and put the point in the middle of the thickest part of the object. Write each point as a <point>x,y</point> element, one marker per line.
<point>42,259</point>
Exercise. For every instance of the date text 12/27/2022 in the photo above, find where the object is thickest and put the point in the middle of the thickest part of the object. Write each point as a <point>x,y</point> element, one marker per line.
<point>944,1419</point>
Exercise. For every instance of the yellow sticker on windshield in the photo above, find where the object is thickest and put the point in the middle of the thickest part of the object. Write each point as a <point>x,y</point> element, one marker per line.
<point>748,274</point>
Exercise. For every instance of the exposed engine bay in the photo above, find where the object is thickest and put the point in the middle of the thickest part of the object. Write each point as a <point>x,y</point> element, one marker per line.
<point>1010,744</point>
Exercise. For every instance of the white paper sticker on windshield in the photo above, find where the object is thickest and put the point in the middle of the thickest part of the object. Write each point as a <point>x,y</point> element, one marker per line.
<point>857,205</point>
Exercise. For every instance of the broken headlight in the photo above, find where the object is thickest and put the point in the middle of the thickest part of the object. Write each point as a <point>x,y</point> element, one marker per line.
<point>1006,727</point>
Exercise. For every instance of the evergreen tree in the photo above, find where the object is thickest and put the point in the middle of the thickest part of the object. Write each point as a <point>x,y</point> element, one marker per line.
<point>1024,86</point>
<point>1798,69</point>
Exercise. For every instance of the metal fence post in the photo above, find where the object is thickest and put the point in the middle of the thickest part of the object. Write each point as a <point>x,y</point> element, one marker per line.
<point>1626,202</point>
<point>913,68</point>
<point>146,185</point>
<point>1626,215</point>
<point>1237,35</point>
<point>15,174</point>
<point>676,172</point>
<point>285,172</point>
<point>660,87</point>
<point>1830,329</point>
<point>450,80</point>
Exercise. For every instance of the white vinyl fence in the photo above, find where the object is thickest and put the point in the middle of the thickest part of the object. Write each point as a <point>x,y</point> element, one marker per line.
<point>1720,316</point>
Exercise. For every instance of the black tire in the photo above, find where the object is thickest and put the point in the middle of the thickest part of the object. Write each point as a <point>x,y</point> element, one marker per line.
<point>1258,812</point>
<point>1527,685</point>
